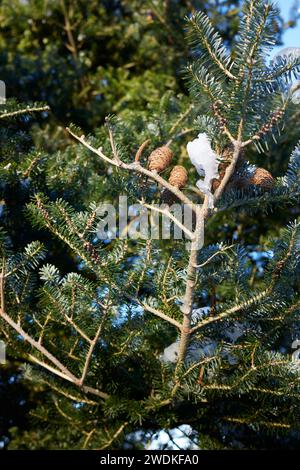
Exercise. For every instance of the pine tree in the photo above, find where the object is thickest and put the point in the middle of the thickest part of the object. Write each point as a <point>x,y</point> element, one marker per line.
<point>144,335</point>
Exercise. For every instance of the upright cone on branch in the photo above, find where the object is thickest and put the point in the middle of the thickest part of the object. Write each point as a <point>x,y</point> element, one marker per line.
<point>262,178</point>
<point>178,176</point>
<point>160,159</point>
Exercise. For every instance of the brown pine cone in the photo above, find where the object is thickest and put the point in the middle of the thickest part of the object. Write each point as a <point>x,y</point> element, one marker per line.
<point>215,184</point>
<point>160,159</point>
<point>178,176</point>
<point>262,178</point>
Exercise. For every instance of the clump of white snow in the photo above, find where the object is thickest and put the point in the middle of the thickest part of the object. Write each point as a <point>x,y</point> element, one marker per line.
<point>206,347</point>
<point>206,162</point>
<point>289,54</point>
<point>199,313</point>
<point>170,353</point>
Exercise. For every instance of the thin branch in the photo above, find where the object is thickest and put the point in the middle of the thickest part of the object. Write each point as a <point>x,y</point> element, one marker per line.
<point>98,151</point>
<point>135,167</point>
<point>229,170</point>
<point>24,111</point>
<point>196,191</point>
<point>71,45</point>
<point>95,391</point>
<point>23,262</point>
<point>141,149</point>
<point>181,118</point>
<point>88,437</point>
<point>156,177</point>
<point>92,347</point>
<point>67,318</point>
<point>68,28</point>
<point>60,370</point>
<point>219,252</point>
<point>231,311</point>
<point>114,437</point>
<point>227,132</point>
<point>112,143</point>
<point>160,314</point>
<point>213,54</point>
<point>267,127</point>
<point>70,396</point>
<point>269,424</point>
<point>2,280</point>
<point>169,214</point>
<point>38,346</point>
<point>180,134</point>
<point>51,369</point>
<point>187,306</point>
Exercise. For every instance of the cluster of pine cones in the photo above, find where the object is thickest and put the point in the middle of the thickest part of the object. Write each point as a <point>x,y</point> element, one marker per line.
<point>161,158</point>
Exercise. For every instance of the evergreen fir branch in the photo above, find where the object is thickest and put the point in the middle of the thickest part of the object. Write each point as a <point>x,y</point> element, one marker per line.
<point>90,221</point>
<point>23,111</point>
<point>217,253</point>
<point>268,126</point>
<point>256,33</point>
<point>62,391</point>
<point>228,312</point>
<point>291,240</point>
<point>33,254</point>
<point>171,216</point>
<point>291,179</point>
<point>258,200</point>
<point>181,119</point>
<point>58,368</point>
<point>213,52</point>
<point>201,78</point>
<point>281,72</point>
<point>115,436</point>
<point>268,424</point>
<point>93,344</point>
<point>255,299</point>
<point>53,301</point>
<point>43,218</point>
<point>160,314</point>
<point>208,124</point>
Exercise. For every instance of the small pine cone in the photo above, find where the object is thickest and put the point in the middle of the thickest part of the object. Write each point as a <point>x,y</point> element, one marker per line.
<point>160,159</point>
<point>178,176</point>
<point>262,178</point>
<point>215,184</point>
<point>222,169</point>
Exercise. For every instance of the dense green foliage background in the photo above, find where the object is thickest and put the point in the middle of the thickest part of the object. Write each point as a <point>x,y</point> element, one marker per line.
<point>87,60</point>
